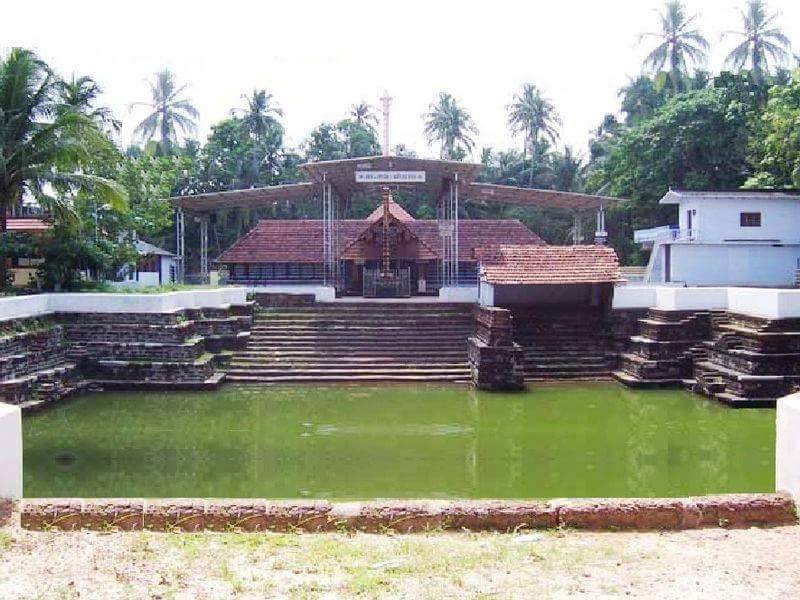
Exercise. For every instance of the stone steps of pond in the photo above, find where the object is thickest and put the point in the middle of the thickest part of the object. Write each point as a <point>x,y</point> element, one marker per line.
<point>356,342</point>
<point>325,358</point>
<point>352,378</point>
<point>398,369</point>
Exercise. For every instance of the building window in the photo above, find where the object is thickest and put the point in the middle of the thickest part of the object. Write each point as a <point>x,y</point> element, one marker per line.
<point>750,219</point>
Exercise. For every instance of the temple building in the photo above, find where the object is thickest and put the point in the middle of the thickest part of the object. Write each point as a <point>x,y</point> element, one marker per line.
<point>278,252</point>
<point>388,254</point>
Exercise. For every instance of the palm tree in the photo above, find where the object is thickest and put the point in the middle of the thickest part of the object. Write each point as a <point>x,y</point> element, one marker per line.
<point>679,44</point>
<point>169,112</point>
<point>45,144</point>
<point>450,125</point>
<point>80,94</point>
<point>362,114</point>
<point>260,113</point>
<point>762,43</point>
<point>535,117</point>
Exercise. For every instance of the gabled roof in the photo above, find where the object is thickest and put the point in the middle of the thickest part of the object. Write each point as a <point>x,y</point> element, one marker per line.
<point>300,241</point>
<point>548,265</point>
<point>676,196</point>
<point>144,249</point>
<point>395,210</point>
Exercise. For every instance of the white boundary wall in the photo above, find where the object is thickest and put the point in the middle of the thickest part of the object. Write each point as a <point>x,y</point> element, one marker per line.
<point>41,304</point>
<point>769,303</point>
<point>10,452</point>
<point>459,293</point>
<point>787,446</point>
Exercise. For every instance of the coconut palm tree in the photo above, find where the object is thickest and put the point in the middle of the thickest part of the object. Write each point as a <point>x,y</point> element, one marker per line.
<point>535,117</point>
<point>45,144</point>
<point>169,112</point>
<point>762,43</point>
<point>679,44</point>
<point>81,93</point>
<point>260,113</point>
<point>451,126</point>
<point>362,114</point>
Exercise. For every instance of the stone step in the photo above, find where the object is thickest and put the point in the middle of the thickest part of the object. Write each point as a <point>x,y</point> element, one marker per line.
<point>462,370</point>
<point>241,358</point>
<point>345,378</point>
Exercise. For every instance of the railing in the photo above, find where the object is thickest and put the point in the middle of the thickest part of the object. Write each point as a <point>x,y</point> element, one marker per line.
<point>664,234</point>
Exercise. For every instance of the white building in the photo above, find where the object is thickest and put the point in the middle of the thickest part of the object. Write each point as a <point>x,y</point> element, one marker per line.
<point>746,238</point>
<point>154,267</point>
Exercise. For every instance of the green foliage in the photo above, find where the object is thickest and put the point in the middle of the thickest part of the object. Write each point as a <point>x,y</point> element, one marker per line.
<point>345,139</point>
<point>451,126</point>
<point>66,254</point>
<point>776,150</point>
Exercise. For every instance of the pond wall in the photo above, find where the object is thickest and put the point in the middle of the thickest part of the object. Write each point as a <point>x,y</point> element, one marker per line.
<point>54,345</point>
<point>10,452</point>
<point>769,303</point>
<point>787,446</point>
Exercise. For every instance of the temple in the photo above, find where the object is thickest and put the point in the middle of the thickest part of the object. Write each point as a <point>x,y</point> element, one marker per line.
<point>388,254</point>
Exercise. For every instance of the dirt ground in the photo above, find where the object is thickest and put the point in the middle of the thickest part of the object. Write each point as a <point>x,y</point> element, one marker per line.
<point>711,563</point>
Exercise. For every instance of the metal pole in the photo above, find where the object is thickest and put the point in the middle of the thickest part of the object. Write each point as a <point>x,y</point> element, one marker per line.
<point>455,228</point>
<point>179,250</point>
<point>204,248</point>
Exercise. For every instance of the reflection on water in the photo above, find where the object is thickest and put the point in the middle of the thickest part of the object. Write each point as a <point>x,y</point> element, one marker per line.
<point>398,441</point>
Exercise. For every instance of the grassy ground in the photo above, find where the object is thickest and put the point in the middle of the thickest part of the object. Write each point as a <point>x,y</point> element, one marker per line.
<point>747,564</point>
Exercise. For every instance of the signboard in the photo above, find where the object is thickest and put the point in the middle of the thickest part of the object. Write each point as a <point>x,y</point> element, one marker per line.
<point>390,176</point>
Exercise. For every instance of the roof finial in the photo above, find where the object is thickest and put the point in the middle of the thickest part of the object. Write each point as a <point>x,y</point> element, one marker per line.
<point>386,102</point>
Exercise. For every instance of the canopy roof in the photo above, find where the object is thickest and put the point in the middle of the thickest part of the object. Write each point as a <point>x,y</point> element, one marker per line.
<point>341,174</point>
<point>548,265</point>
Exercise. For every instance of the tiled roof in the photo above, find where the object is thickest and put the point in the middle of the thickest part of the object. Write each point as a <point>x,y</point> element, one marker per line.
<point>397,211</point>
<point>546,265</point>
<point>301,240</point>
<point>26,224</point>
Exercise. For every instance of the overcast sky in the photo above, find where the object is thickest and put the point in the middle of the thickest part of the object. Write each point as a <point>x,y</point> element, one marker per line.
<point>318,58</point>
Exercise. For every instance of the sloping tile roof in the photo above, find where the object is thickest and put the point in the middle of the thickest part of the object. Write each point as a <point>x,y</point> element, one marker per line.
<point>26,224</point>
<point>301,240</point>
<point>548,265</point>
<point>397,211</point>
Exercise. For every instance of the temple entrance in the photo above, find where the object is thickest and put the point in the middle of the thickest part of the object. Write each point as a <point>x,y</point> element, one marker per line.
<point>394,283</point>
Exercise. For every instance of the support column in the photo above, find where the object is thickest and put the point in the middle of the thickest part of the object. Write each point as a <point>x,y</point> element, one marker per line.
<point>179,245</point>
<point>600,235</point>
<point>204,274</point>
<point>577,228</point>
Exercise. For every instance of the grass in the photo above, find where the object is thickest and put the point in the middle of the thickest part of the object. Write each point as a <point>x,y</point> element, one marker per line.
<point>106,288</point>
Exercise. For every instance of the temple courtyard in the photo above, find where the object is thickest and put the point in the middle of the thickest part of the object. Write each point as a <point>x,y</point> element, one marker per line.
<point>737,563</point>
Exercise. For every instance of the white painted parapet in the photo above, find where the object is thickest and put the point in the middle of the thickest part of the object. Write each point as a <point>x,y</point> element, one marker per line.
<point>10,452</point>
<point>634,296</point>
<point>459,293</point>
<point>787,446</point>
<point>769,303</point>
<point>20,307</point>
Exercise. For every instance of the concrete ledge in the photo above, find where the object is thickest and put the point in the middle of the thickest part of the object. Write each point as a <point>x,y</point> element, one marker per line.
<point>10,452</point>
<point>735,510</point>
<point>787,446</point>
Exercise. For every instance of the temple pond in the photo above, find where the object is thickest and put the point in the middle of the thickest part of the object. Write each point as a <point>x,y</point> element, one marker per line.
<point>357,442</point>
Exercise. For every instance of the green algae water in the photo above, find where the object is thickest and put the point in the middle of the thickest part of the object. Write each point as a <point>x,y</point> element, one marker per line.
<point>356,442</point>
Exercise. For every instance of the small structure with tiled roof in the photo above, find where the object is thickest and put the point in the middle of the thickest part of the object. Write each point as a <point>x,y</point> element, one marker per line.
<point>515,274</point>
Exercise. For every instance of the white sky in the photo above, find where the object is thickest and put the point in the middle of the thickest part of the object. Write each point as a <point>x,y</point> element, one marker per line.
<point>319,57</point>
